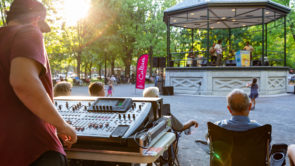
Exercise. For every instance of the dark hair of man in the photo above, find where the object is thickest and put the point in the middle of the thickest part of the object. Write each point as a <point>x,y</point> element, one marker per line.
<point>62,88</point>
<point>95,88</point>
<point>254,81</point>
<point>238,101</point>
<point>219,41</point>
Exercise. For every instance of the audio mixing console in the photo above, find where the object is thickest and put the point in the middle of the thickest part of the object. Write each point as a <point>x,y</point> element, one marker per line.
<point>106,123</point>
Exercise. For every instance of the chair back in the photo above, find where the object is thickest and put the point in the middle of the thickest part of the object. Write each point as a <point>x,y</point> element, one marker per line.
<point>239,148</point>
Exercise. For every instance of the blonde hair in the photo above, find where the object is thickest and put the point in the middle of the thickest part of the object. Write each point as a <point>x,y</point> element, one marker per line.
<point>151,92</point>
<point>62,88</point>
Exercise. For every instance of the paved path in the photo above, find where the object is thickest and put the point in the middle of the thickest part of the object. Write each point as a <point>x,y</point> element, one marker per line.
<point>279,111</point>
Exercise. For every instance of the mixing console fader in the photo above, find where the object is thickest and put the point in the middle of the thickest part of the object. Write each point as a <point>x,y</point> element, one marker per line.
<point>104,118</point>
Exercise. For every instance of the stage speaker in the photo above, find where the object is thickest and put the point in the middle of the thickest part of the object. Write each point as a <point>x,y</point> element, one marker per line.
<point>194,64</point>
<point>230,63</point>
<point>168,90</point>
<point>204,62</point>
<point>256,63</point>
<point>159,61</point>
<point>171,64</point>
<point>155,61</point>
<point>162,61</point>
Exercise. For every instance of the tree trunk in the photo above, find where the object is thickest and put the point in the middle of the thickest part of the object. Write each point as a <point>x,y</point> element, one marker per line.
<point>127,70</point>
<point>85,70</point>
<point>292,28</point>
<point>78,64</point>
<point>151,51</point>
<point>99,70</point>
<point>112,67</point>
<point>89,69</point>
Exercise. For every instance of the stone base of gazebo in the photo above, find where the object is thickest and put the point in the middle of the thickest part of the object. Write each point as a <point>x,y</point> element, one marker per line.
<point>220,81</point>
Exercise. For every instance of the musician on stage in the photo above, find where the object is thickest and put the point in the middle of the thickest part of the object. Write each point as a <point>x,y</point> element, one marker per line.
<point>248,47</point>
<point>190,58</point>
<point>218,48</point>
<point>213,54</point>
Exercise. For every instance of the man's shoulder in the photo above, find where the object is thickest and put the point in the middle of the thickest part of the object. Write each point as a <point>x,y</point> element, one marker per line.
<point>254,123</point>
<point>28,30</point>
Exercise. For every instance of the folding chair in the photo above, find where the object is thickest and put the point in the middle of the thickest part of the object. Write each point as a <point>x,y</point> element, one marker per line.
<point>245,148</point>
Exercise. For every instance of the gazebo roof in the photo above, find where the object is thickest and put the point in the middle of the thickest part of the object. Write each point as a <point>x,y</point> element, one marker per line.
<point>223,13</point>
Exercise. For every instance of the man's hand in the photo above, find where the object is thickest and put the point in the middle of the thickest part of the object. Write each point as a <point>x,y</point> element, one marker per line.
<point>67,134</point>
<point>193,123</point>
<point>189,124</point>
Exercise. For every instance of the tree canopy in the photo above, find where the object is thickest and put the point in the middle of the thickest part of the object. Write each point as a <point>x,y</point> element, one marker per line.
<point>116,32</point>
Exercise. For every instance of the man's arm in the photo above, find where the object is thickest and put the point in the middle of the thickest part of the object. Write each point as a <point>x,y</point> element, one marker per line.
<point>25,81</point>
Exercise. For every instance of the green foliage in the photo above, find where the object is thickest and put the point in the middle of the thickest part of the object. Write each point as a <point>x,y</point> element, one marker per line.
<point>118,31</point>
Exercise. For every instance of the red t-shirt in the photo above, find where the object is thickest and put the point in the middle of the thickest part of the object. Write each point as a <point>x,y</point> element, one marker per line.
<point>23,136</point>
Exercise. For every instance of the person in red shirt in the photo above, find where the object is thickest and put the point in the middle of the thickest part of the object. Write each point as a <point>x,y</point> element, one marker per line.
<point>29,122</point>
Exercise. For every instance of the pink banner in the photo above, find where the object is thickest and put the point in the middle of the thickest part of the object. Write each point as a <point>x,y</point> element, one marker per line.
<point>142,63</point>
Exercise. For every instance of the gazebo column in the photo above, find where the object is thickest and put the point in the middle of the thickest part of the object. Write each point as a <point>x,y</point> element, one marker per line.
<point>168,44</point>
<point>208,31</point>
<point>192,39</point>
<point>266,40</point>
<point>229,38</point>
<point>285,42</point>
<point>262,56</point>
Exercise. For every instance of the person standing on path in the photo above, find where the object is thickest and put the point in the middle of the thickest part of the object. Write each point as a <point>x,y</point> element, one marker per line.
<point>254,92</point>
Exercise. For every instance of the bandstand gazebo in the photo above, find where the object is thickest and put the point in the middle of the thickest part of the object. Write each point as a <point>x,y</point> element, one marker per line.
<point>225,14</point>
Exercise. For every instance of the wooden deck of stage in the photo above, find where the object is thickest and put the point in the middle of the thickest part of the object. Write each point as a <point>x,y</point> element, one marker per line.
<point>211,80</point>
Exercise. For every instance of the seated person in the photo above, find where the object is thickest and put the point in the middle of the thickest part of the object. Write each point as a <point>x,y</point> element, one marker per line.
<point>239,106</point>
<point>96,89</point>
<point>176,124</point>
<point>62,88</point>
<point>291,154</point>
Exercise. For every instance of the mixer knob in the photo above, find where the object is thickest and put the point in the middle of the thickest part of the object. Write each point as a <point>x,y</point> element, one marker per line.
<point>124,116</point>
<point>107,124</point>
<point>67,104</point>
<point>73,109</point>
<point>100,125</point>
<point>97,108</point>
<point>82,128</point>
<point>85,107</point>
<point>95,126</point>
<point>55,103</point>
<point>107,107</point>
<point>120,116</point>
<point>129,117</point>
<point>133,115</point>
<point>59,107</point>
<point>111,108</point>
<point>89,104</point>
<point>139,107</point>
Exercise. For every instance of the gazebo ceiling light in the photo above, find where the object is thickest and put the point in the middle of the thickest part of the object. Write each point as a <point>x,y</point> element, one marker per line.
<point>223,13</point>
